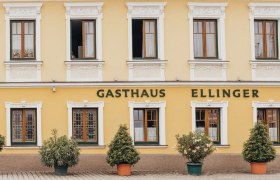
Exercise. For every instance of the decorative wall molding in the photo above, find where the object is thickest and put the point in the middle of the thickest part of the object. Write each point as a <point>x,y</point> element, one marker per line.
<point>23,104</point>
<point>209,11</point>
<point>84,71</point>
<point>20,71</point>
<point>85,104</point>
<point>148,104</point>
<point>84,10</point>
<point>223,105</point>
<point>265,70</point>
<point>208,70</point>
<point>23,11</point>
<point>267,104</point>
<point>147,10</point>
<point>146,70</point>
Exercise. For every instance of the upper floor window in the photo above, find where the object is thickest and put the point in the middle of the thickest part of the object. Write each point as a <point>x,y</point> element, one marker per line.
<point>83,39</point>
<point>205,38</point>
<point>144,37</point>
<point>23,39</point>
<point>265,39</point>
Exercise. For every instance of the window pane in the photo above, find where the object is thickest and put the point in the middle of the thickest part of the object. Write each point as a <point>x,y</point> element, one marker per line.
<point>89,39</point>
<point>139,125</point>
<point>270,39</point>
<point>151,131</point>
<point>152,27</point>
<point>200,120</point>
<point>17,125</point>
<point>198,45</point>
<point>259,46</point>
<point>91,125</point>
<point>150,45</point>
<point>29,46</point>
<point>16,46</point>
<point>78,125</point>
<point>211,45</point>
<point>147,26</point>
<point>213,124</point>
<point>272,118</point>
<point>30,125</point>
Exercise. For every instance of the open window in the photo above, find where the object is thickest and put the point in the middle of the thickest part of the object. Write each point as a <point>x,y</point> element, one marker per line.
<point>83,39</point>
<point>144,38</point>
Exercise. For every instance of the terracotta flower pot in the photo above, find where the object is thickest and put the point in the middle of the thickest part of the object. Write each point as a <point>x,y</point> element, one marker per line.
<point>258,167</point>
<point>124,169</point>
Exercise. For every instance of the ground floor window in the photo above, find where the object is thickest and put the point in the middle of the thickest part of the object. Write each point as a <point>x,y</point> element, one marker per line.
<point>23,126</point>
<point>270,117</point>
<point>208,121</point>
<point>85,125</point>
<point>146,126</point>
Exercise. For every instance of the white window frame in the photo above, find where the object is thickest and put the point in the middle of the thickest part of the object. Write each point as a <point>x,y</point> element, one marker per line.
<point>222,105</point>
<point>23,11</point>
<point>266,104</point>
<point>23,105</point>
<point>99,105</point>
<point>84,10</point>
<point>265,11</point>
<point>147,104</point>
<point>147,10</point>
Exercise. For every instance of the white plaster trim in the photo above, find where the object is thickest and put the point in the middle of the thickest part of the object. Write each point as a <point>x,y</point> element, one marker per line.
<point>151,147</point>
<point>132,65</point>
<point>97,64</point>
<point>223,105</point>
<point>262,11</point>
<point>84,10</point>
<point>267,104</point>
<point>146,10</point>
<point>22,65</point>
<point>147,104</point>
<point>267,65</point>
<point>23,11</point>
<point>23,104</point>
<point>99,105</point>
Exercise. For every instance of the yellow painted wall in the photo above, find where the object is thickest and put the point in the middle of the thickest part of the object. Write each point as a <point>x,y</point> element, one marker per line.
<point>115,39</point>
<point>116,112</point>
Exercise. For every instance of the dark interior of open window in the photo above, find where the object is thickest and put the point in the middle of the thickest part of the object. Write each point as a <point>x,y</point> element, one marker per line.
<point>76,39</point>
<point>137,38</point>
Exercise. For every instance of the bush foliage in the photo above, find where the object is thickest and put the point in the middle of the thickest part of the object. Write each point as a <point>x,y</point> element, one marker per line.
<point>2,142</point>
<point>258,148</point>
<point>121,149</point>
<point>195,146</point>
<point>59,151</point>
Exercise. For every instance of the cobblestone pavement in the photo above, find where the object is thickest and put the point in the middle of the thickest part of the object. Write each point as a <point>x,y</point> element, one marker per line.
<point>135,176</point>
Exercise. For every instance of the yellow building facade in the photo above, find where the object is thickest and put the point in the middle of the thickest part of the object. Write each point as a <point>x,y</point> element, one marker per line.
<point>161,67</point>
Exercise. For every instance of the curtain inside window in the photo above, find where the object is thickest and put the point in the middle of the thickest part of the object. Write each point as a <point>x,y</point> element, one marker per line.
<point>30,126</point>
<point>28,40</point>
<point>17,125</point>
<point>198,39</point>
<point>270,39</point>
<point>210,38</point>
<point>89,39</point>
<point>138,116</point>
<point>149,41</point>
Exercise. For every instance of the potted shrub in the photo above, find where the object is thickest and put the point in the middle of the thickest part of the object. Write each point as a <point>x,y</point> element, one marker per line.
<point>195,147</point>
<point>60,153</point>
<point>258,149</point>
<point>2,142</point>
<point>122,152</point>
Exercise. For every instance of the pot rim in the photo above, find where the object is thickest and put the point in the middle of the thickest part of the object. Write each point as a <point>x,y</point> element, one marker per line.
<point>190,163</point>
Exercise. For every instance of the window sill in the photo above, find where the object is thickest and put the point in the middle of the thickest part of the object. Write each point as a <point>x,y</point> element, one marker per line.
<point>265,61</point>
<point>276,146</point>
<point>94,61</point>
<point>151,146</point>
<point>146,61</point>
<point>21,147</point>
<point>92,146</point>
<point>24,62</point>
<point>222,145</point>
<point>208,61</point>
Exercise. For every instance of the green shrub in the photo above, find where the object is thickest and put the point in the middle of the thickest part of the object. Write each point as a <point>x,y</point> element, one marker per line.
<point>258,148</point>
<point>59,151</point>
<point>2,142</point>
<point>195,146</point>
<point>121,149</point>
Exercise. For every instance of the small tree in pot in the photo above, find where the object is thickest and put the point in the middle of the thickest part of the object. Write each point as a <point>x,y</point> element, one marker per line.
<point>60,153</point>
<point>258,149</point>
<point>195,146</point>
<point>122,152</point>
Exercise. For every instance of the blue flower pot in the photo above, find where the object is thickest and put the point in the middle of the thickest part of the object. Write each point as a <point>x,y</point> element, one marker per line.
<point>60,170</point>
<point>194,168</point>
